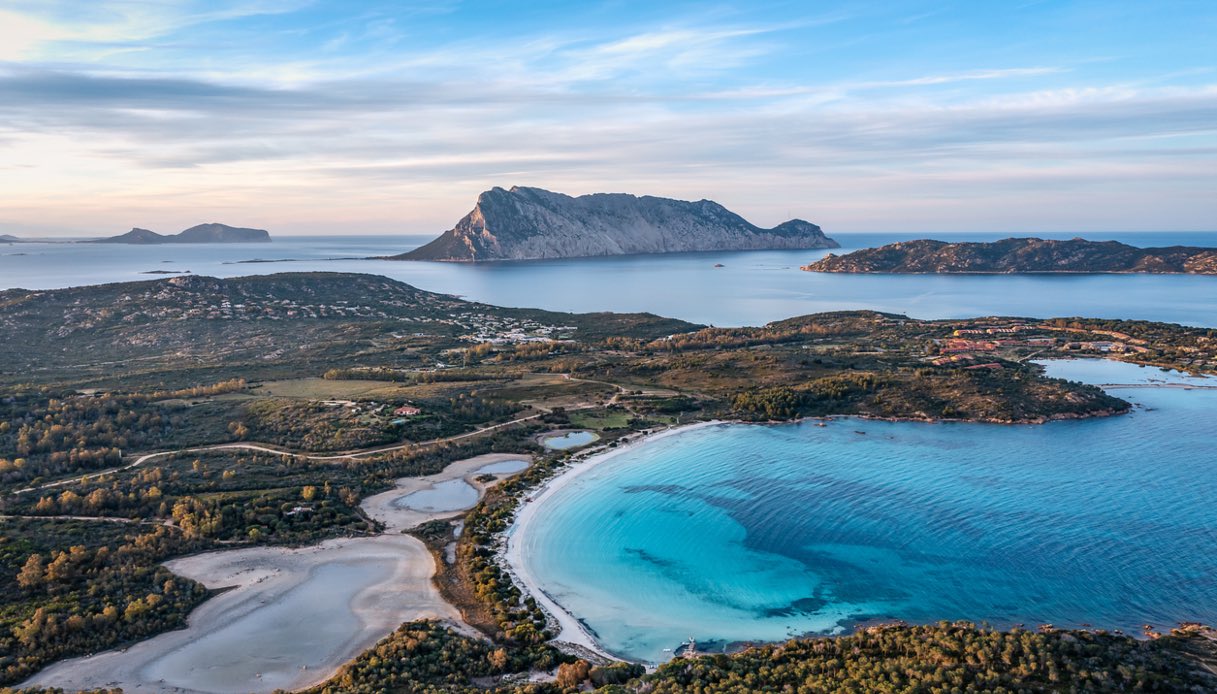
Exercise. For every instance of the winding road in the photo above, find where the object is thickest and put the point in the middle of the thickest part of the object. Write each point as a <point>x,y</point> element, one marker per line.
<point>267,448</point>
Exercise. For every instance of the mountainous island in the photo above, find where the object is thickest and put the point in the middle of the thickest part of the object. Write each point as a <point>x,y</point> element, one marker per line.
<point>1020,255</point>
<point>202,233</point>
<point>531,223</point>
<point>9,238</point>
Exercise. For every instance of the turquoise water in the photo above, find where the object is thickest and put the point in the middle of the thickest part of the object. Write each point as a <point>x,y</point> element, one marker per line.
<point>574,439</point>
<point>751,289</point>
<point>739,532</point>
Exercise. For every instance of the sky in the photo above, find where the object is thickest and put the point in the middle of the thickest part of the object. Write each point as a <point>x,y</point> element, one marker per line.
<point>370,117</point>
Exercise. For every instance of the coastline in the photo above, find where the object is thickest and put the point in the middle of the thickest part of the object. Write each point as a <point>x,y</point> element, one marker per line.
<point>571,631</point>
<point>387,579</point>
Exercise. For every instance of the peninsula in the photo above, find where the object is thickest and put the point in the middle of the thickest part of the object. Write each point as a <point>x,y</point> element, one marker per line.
<point>165,438</point>
<point>531,223</point>
<point>1020,255</point>
<point>202,233</point>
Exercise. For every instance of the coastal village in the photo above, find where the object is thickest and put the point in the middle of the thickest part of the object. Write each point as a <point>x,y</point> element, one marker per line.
<point>200,298</point>
<point>977,347</point>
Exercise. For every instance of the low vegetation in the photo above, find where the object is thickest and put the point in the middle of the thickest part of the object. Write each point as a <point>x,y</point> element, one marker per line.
<point>423,657</point>
<point>72,586</point>
<point>96,377</point>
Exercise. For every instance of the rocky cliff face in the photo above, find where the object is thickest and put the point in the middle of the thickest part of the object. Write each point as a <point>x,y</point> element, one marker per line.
<point>531,223</point>
<point>202,233</point>
<point>1021,255</point>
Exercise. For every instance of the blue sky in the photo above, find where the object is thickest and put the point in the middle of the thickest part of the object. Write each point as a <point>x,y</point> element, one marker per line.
<point>389,117</point>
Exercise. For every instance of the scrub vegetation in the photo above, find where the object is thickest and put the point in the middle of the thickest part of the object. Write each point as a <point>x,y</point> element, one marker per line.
<point>946,657</point>
<point>333,386</point>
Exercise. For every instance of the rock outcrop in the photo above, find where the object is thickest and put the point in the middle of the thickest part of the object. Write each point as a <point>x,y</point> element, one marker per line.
<point>531,223</point>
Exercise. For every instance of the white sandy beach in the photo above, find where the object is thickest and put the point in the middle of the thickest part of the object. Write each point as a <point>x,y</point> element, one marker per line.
<point>570,629</point>
<point>293,616</point>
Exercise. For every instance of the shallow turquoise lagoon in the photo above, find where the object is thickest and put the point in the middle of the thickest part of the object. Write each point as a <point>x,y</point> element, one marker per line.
<point>737,532</point>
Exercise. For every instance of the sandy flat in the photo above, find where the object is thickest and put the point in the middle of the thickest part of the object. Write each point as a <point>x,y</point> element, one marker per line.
<point>294,616</point>
<point>570,629</point>
<point>393,507</point>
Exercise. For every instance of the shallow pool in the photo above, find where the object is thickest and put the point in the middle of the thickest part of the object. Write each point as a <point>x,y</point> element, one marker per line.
<point>452,495</point>
<point>503,467</point>
<point>267,646</point>
<point>573,439</point>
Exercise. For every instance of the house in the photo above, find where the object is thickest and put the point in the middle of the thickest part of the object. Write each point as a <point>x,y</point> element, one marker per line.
<point>406,411</point>
<point>959,345</point>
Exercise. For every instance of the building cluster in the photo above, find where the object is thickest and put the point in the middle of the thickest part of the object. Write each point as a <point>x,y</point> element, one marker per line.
<point>374,409</point>
<point>197,298</point>
<point>967,345</point>
<point>484,327</point>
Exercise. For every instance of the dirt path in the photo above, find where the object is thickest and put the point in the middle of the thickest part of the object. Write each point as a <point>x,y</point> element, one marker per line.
<point>105,519</point>
<point>268,448</point>
<point>293,616</point>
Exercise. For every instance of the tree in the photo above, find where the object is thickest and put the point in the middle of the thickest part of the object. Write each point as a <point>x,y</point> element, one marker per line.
<point>238,430</point>
<point>33,573</point>
<point>498,659</point>
<point>572,675</point>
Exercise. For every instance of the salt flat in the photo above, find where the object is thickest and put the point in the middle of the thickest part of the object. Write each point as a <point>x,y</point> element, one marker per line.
<point>292,616</point>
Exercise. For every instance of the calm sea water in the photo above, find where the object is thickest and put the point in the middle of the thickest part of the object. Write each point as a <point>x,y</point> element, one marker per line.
<point>740,532</point>
<point>752,288</point>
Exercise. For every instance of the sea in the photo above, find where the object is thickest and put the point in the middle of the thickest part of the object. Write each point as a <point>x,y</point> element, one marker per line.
<point>750,288</point>
<point>736,533</point>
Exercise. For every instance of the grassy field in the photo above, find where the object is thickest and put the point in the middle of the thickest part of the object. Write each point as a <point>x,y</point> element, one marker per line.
<point>600,419</point>
<point>324,389</point>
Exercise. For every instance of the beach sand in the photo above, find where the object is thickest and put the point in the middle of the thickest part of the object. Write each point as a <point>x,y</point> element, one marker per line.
<point>292,616</point>
<point>570,630</point>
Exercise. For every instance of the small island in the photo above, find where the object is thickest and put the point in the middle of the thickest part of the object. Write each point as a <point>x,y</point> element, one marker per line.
<point>531,224</point>
<point>1020,255</point>
<point>202,233</point>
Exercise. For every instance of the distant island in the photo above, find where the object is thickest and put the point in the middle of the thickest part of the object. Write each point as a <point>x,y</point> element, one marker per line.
<point>531,223</point>
<point>9,238</point>
<point>203,233</point>
<point>1020,255</point>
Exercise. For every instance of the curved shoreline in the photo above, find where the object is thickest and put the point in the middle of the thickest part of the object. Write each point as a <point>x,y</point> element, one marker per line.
<point>571,630</point>
<point>267,585</point>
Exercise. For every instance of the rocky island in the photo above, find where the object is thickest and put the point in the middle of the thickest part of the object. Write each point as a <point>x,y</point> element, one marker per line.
<point>531,223</point>
<point>202,233</point>
<point>1020,255</point>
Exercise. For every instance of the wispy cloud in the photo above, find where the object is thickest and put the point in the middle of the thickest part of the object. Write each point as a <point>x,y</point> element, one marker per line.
<point>374,121</point>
